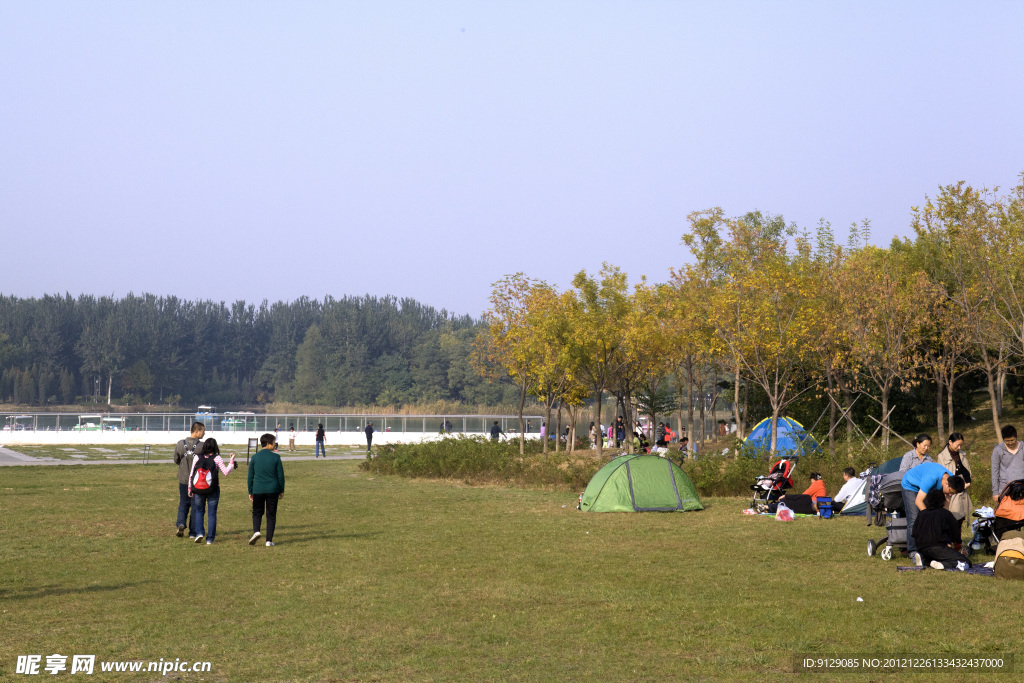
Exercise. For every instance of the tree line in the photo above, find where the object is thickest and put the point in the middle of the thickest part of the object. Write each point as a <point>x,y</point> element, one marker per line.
<point>154,349</point>
<point>790,316</point>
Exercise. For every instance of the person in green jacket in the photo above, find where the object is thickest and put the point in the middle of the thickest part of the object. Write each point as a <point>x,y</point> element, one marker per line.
<point>266,487</point>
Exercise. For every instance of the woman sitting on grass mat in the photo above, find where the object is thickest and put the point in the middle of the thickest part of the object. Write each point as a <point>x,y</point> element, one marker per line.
<point>806,503</point>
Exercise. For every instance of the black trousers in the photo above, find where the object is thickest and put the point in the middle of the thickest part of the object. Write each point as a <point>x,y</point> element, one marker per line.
<point>259,502</point>
<point>944,554</point>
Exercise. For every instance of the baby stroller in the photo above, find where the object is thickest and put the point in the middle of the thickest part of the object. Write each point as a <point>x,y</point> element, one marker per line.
<point>768,488</point>
<point>885,508</point>
<point>991,524</point>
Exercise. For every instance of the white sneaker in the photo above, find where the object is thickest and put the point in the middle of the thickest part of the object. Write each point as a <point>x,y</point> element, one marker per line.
<point>255,537</point>
<point>199,538</point>
<point>916,557</point>
<point>269,543</point>
<point>935,564</point>
<point>209,543</point>
<point>961,566</point>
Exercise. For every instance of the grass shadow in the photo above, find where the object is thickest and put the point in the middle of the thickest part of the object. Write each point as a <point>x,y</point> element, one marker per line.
<point>55,590</point>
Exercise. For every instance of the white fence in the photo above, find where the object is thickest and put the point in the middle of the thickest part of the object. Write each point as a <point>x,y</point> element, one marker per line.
<point>238,428</point>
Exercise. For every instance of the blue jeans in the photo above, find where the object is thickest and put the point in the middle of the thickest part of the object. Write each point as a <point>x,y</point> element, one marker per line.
<point>910,505</point>
<point>199,505</point>
<point>320,448</point>
<point>184,505</point>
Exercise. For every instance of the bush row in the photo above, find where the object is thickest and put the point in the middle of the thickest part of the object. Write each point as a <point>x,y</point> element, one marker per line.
<point>477,460</point>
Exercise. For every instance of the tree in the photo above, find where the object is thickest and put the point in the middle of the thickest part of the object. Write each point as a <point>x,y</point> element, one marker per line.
<point>508,343</point>
<point>764,310</point>
<point>886,303</point>
<point>598,306</point>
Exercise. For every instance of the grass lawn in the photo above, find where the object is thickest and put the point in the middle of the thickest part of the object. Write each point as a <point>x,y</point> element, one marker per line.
<point>385,578</point>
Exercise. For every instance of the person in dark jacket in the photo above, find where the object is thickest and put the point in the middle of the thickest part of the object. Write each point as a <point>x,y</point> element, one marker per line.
<point>496,431</point>
<point>321,437</point>
<point>184,453</point>
<point>266,487</point>
<point>936,530</point>
<point>369,435</point>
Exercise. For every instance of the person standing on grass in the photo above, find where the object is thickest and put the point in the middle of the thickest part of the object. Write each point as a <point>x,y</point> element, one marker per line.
<point>184,455</point>
<point>918,454</point>
<point>593,435</point>
<point>1007,461</point>
<point>204,487</point>
<point>291,438</point>
<point>266,487</point>
<point>955,460</point>
<point>369,435</point>
<point>917,484</point>
<point>320,438</point>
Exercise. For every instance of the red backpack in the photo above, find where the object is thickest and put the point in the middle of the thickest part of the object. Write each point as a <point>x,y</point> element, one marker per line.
<point>204,477</point>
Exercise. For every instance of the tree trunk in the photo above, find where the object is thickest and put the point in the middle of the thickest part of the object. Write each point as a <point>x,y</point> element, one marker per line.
<point>522,423</point>
<point>885,416</point>
<point>831,416</point>
<point>949,403</point>
<point>546,427</point>
<point>558,428</point>
<point>736,403</point>
<point>990,372</point>
<point>847,409</point>
<point>597,420</point>
<point>939,408</point>
<point>110,386</point>
<point>775,427</point>
<point>1001,386</point>
<point>746,404</point>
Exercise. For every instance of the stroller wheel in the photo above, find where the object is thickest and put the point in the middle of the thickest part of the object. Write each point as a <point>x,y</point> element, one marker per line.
<point>887,553</point>
<point>968,550</point>
<point>871,548</point>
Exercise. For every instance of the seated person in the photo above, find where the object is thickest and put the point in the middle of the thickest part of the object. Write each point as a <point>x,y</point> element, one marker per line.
<point>1009,513</point>
<point>851,487</point>
<point>806,503</point>
<point>935,531</point>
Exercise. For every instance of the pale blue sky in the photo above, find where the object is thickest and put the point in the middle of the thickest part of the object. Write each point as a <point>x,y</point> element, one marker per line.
<point>425,149</point>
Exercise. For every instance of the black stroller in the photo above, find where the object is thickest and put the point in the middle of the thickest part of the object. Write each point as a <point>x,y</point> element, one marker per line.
<point>768,488</point>
<point>885,508</point>
<point>1008,516</point>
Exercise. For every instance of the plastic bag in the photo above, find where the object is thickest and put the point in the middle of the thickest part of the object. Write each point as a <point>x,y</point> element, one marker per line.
<point>783,514</point>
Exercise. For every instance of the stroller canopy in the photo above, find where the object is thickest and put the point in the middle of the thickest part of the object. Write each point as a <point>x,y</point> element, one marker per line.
<point>640,483</point>
<point>793,438</point>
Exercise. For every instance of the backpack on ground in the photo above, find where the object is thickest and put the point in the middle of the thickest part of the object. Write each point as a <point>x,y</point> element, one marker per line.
<point>1009,562</point>
<point>204,474</point>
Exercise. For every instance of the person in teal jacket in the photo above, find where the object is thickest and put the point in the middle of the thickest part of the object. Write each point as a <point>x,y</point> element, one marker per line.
<point>266,487</point>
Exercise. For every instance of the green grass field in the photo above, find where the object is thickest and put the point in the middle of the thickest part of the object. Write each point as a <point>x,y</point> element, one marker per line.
<point>385,578</point>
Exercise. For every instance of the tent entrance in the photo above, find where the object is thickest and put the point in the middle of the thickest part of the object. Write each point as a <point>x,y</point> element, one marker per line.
<point>655,493</point>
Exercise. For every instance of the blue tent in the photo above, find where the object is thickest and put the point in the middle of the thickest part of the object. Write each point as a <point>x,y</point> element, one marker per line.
<point>793,438</point>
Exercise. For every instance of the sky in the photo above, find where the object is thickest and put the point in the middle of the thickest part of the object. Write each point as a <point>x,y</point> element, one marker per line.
<point>268,150</point>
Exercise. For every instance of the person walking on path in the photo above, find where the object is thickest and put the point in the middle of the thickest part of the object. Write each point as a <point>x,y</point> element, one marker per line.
<point>320,438</point>
<point>917,484</point>
<point>184,454</point>
<point>496,431</point>
<point>266,487</point>
<point>1007,461</point>
<point>204,487</point>
<point>369,435</point>
<point>918,454</point>
<point>291,438</point>
<point>955,460</point>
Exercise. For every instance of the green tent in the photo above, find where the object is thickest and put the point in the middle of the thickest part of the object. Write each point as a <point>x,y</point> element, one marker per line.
<point>639,483</point>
